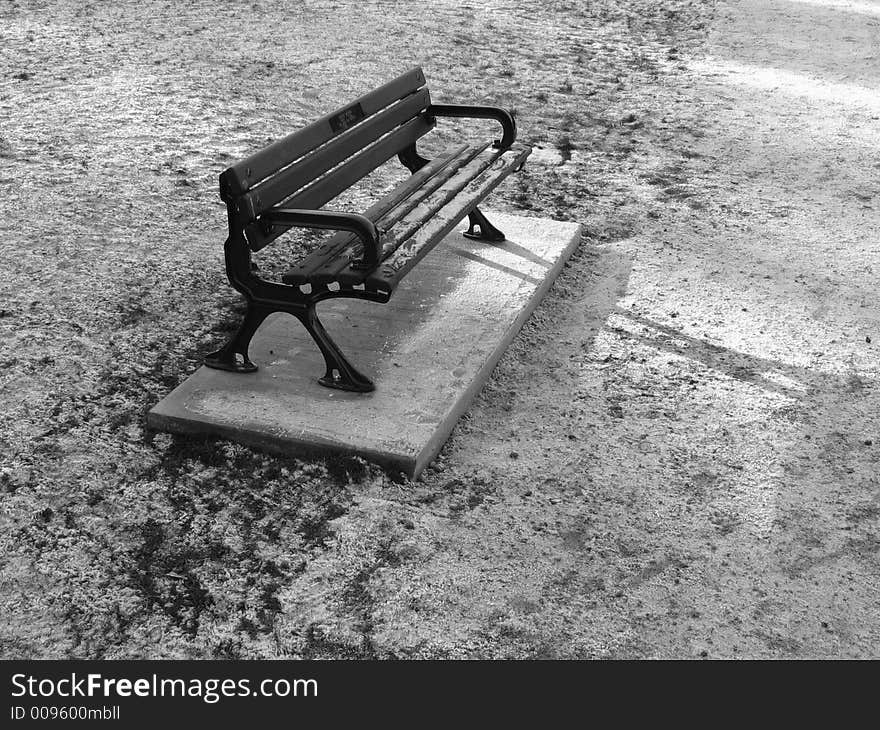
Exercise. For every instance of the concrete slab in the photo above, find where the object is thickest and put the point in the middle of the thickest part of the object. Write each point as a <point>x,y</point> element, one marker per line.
<point>429,351</point>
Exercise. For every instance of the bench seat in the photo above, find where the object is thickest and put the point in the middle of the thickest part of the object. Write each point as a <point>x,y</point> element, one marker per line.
<point>412,218</point>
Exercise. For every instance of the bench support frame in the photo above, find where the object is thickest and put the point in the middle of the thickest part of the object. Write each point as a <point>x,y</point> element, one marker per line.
<point>480,229</point>
<point>265,298</point>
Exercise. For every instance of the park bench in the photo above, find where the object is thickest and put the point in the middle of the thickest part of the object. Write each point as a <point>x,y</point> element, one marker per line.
<point>286,185</point>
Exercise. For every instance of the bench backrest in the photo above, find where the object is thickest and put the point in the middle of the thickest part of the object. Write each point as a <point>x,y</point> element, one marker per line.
<point>310,167</point>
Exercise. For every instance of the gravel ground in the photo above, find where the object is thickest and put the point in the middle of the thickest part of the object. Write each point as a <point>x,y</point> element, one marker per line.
<point>675,458</point>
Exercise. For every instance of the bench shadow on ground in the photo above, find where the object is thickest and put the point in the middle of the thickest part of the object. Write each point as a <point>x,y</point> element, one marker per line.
<point>757,371</point>
<point>822,436</point>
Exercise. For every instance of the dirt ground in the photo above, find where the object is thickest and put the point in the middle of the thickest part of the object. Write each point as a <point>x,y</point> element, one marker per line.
<point>677,456</point>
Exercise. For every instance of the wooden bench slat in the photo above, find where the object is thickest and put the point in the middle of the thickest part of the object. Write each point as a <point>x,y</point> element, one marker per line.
<point>438,223</point>
<point>318,162</point>
<point>300,273</point>
<point>343,177</point>
<point>243,175</point>
<point>340,269</point>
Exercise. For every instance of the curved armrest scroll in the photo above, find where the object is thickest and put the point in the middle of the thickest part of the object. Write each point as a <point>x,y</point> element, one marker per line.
<point>508,123</point>
<point>361,226</point>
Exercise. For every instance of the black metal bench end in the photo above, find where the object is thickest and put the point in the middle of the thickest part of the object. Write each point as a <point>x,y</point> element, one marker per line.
<point>286,185</point>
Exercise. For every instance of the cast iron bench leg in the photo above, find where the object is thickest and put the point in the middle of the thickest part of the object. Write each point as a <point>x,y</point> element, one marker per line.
<point>487,232</point>
<point>227,358</point>
<point>340,373</point>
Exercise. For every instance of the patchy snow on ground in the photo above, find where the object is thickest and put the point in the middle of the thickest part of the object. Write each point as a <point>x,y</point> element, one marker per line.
<point>675,458</point>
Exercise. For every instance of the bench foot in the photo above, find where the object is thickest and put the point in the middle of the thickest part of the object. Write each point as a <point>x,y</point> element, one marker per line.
<point>341,374</point>
<point>234,355</point>
<point>487,232</point>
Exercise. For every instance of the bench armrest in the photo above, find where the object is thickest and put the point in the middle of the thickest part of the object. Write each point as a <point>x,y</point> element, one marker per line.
<point>361,226</point>
<point>479,112</point>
